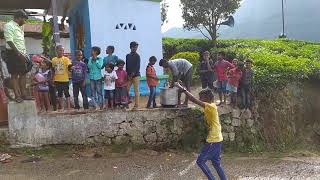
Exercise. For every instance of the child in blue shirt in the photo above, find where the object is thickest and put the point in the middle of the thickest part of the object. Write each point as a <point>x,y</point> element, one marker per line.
<point>95,65</point>
<point>110,58</point>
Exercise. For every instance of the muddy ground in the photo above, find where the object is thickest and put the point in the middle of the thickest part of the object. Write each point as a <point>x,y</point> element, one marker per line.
<point>72,163</point>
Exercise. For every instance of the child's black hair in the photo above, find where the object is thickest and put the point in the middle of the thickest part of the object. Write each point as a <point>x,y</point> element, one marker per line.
<point>96,49</point>
<point>240,64</point>
<point>111,47</point>
<point>152,59</point>
<point>162,62</point>
<point>59,47</point>
<point>121,62</point>
<point>48,63</point>
<point>249,61</point>
<point>110,66</point>
<point>222,53</point>
<point>207,93</point>
<point>77,52</point>
<point>133,44</point>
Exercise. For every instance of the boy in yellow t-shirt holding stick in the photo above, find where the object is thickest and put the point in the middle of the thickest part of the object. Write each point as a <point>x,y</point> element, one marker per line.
<point>212,149</point>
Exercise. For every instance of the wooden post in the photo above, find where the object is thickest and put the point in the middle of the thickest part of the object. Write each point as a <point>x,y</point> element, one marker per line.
<point>56,31</point>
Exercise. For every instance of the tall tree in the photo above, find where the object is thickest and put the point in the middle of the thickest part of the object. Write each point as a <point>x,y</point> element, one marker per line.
<point>205,15</point>
<point>164,11</point>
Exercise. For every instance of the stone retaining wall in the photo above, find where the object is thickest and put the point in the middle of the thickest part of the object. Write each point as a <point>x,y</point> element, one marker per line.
<point>159,127</point>
<point>149,127</point>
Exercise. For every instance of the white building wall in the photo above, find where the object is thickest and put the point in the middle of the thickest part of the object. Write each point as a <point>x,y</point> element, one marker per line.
<point>34,45</point>
<point>105,15</point>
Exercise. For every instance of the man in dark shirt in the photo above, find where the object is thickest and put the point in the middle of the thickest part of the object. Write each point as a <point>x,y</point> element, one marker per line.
<point>133,70</point>
<point>246,84</point>
<point>206,71</point>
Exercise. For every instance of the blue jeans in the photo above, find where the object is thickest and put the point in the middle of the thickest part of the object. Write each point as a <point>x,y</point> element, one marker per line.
<point>96,93</point>
<point>212,152</point>
<point>152,96</point>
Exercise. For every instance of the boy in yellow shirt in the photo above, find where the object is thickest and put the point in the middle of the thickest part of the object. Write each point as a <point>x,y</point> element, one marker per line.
<point>212,149</point>
<point>61,66</point>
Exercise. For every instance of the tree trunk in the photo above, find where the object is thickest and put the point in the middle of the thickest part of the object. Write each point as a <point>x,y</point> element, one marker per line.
<point>213,35</point>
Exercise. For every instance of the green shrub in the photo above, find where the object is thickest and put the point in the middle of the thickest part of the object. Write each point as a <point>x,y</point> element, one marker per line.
<point>276,62</point>
<point>193,58</point>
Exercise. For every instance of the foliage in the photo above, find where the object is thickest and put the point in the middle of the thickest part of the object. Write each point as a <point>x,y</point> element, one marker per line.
<point>164,11</point>
<point>205,16</point>
<point>195,137</point>
<point>30,20</point>
<point>47,39</point>
<point>276,62</point>
<point>193,58</point>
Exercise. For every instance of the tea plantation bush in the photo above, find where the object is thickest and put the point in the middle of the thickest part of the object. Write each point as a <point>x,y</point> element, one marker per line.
<point>276,62</point>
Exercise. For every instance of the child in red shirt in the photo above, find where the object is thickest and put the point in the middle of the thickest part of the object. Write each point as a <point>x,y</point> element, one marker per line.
<point>234,75</point>
<point>152,81</point>
<point>220,68</point>
<point>121,93</point>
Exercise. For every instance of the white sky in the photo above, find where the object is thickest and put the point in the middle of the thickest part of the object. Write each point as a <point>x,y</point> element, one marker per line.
<point>174,15</point>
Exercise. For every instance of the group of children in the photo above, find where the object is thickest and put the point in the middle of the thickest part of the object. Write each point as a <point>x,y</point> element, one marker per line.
<point>109,81</point>
<point>233,78</point>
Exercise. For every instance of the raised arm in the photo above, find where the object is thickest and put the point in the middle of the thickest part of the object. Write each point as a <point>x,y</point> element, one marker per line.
<point>191,96</point>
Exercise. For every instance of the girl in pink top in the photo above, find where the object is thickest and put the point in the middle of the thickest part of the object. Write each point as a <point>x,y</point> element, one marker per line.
<point>234,76</point>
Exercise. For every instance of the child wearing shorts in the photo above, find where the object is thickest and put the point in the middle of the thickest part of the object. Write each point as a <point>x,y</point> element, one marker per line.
<point>61,66</point>
<point>110,77</point>
<point>234,76</point>
<point>221,67</point>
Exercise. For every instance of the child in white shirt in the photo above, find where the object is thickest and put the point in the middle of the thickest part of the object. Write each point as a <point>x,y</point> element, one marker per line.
<point>110,77</point>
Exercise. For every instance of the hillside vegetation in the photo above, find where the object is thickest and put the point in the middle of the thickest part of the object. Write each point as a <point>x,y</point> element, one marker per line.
<point>276,62</point>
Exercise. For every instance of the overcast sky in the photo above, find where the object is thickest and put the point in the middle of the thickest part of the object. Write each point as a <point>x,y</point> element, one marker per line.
<point>174,15</point>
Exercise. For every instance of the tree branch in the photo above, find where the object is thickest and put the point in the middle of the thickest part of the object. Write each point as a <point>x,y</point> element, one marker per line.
<point>199,29</point>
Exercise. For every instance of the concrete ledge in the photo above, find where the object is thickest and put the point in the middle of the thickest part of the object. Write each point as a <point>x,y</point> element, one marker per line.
<point>148,127</point>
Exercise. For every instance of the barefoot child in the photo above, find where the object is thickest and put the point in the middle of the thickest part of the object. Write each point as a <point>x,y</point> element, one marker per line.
<point>121,94</point>
<point>152,81</point>
<point>133,70</point>
<point>42,79</point>
<point>61,66</point>
<point>110,77</point>
<point>246,83</point>
<point>220,68</point>
<point>95,65</point>
<point>212,149</point>
<point>79,75</point>
<point>234,75</point>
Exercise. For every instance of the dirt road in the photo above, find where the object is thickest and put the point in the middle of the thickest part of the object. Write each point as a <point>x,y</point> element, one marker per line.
<point>150,165</point>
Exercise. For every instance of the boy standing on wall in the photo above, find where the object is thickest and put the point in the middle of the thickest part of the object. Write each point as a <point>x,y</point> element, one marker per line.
<point>133,70</point>
<point>61,66</point>
<point>94,65</point>
<point>110,58</point>
<point>212,149</point>
<point>79,75</point>
<point>246,83</point>
<point>152,81</point>
<point>221,67</point>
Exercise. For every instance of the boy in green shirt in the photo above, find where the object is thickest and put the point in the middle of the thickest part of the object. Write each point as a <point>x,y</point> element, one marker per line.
<point>212,149</point>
